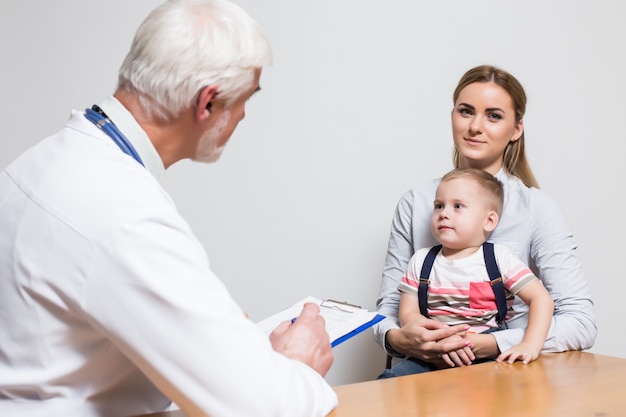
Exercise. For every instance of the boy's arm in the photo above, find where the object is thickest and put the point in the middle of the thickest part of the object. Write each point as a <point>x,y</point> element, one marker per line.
<point>409,309</point>
<point>540,311</point>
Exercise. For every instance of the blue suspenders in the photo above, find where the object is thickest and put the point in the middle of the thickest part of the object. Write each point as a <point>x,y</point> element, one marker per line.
<point>494,276</point>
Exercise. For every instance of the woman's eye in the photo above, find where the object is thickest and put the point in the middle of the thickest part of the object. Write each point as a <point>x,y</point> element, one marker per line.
<point>465,112</point>
<point>494,116</point>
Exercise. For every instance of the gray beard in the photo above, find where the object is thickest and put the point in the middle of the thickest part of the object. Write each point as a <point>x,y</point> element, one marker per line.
<point>207,151</point>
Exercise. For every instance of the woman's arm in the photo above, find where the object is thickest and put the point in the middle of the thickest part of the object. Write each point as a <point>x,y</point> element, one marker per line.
<point>399,252</point>
<point>554,256</point>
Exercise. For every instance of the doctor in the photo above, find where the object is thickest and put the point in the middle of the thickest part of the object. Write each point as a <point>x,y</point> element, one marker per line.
<point>108,306</point>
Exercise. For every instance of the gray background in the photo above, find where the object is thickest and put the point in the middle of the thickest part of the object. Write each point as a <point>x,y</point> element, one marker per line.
<point>354,111</point>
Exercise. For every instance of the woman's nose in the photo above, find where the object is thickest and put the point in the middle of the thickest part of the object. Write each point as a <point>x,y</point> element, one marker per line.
<point>476,127</point>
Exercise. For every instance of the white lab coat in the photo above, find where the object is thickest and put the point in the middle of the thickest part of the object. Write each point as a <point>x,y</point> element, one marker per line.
<point>108,306</point>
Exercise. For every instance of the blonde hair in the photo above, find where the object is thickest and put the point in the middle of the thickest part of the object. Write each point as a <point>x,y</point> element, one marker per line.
<point>514,159</point>
<point>490,184</point>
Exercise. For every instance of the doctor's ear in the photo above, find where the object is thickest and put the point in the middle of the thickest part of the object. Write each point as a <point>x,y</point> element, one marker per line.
<point>206,97</point>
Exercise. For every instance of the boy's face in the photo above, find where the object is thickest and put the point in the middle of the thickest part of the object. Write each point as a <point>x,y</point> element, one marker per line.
<point>462,217</point>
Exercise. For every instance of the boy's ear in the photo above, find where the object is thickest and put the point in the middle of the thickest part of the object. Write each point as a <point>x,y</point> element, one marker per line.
<point>491,221</point>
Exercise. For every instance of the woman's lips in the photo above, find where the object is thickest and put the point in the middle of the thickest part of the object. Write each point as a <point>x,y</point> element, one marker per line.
<point>473,141</point>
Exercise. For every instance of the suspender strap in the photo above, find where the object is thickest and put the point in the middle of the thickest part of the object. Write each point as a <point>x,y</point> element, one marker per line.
<point>496,282</point>
<point>494,276</point>
<point>422,289</point>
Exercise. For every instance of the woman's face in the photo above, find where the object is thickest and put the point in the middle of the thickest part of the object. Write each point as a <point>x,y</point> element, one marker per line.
<point>483,124</point>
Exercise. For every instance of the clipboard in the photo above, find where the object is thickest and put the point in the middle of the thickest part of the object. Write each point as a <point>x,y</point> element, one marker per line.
<point>343,320</point>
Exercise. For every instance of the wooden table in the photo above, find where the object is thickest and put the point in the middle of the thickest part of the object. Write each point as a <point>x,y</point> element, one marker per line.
<point>556,385</point>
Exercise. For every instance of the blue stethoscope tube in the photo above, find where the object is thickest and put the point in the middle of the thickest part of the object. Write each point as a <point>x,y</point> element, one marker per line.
<point>107,126</point>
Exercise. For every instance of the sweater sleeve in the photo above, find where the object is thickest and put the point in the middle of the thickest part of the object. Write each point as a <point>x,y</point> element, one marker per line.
<point>554,253</point>
<point>399,252</point>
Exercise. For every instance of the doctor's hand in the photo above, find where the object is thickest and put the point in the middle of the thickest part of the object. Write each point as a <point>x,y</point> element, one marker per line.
<point>305,339</point>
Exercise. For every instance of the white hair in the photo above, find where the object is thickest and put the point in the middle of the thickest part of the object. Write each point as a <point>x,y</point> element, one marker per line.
<point>186,45</point>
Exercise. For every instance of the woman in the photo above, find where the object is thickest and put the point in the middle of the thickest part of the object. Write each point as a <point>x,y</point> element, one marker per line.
<point>488,133</point>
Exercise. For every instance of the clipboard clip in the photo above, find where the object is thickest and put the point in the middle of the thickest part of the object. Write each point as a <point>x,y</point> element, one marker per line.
<point>340,305</point>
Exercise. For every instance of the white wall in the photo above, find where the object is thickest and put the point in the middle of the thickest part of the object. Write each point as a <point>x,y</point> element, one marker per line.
<point>354,111</point>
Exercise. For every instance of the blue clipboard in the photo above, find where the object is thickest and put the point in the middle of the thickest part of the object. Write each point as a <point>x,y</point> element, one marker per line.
<point>358,330</point>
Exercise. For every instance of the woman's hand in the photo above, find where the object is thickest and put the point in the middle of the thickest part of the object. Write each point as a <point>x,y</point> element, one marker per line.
<point>426,339</point>
<point>459,357</point>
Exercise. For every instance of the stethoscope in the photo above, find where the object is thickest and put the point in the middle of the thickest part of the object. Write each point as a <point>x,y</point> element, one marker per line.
<point>101,120</point>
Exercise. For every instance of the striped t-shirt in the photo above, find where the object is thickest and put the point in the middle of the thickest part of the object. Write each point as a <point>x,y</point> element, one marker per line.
<point>459,290</point>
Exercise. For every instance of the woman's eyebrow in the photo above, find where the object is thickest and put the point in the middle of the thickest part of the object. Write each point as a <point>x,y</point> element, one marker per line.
<point>489,109</point>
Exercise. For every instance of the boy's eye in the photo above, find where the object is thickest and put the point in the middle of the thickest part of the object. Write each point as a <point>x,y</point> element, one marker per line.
<point>458,206</point>
<point>438,206</point>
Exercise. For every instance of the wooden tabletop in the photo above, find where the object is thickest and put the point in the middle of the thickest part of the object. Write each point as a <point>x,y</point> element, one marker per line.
<point>567,384</point>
